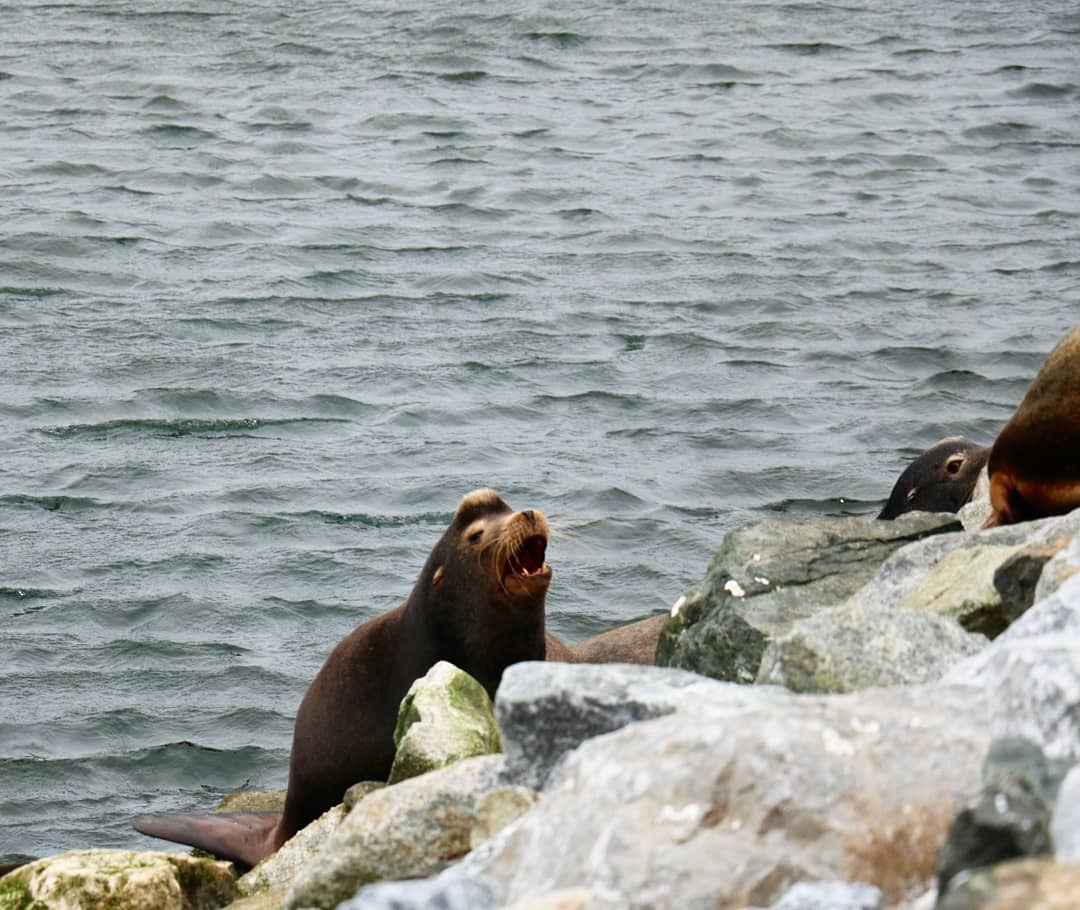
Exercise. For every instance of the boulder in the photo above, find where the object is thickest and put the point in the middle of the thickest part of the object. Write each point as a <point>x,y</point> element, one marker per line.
<point>409,830</point>
<point>784,787</point>
<point>982,587</point>
<point>427,894</point>
<point>119,880</point>
<point>1063,566</point>
<point>1031,675</point>
<point>1065,821</point>
<point>545,710</point>
<point>1025,884</point>
<point>279,869</point>
<point>1012,815</point>
<point>445,716</point>
<point>830,896</point>
<point>253,801</point>
<point>854,647</point>
<point>767,576</point>
<point>905,571</point>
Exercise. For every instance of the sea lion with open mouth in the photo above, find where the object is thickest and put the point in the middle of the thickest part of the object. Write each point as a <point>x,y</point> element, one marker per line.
<point>478,603</point>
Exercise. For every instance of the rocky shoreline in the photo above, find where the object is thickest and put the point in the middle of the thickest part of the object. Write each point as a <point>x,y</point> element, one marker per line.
<point>847,714</point>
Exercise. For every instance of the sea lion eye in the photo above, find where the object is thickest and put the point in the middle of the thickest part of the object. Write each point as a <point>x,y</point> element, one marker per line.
<point>954,464</point>
<point>476,535</point>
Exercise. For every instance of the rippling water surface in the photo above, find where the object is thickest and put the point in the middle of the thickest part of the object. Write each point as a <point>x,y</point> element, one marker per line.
<point>279,282</point>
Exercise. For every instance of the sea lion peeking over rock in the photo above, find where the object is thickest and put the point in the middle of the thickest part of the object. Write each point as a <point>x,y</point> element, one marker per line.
<point>941,479</point>
<point>1035,461</point>
<point>478,603</point>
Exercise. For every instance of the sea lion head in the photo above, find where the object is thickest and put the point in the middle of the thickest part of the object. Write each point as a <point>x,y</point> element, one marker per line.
<point>941,479</point>
<point>492,552</point>
<point>480,596</point>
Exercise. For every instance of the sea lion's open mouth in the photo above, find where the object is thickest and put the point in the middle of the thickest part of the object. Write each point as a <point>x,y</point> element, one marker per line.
<point>524,571</point>
<point>528,559</point>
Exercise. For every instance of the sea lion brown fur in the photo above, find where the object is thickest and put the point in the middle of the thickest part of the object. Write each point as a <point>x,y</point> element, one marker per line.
<point>941,479</point>
<point>478,603</point>
<point>634,643</point>
<point>1034,464</point>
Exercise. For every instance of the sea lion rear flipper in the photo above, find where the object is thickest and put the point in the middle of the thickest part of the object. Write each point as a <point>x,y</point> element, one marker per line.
<point>243,837</point>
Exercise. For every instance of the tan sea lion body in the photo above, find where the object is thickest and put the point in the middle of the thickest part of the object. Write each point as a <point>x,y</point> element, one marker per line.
<point>634,643</point>
<point>1034,464</point>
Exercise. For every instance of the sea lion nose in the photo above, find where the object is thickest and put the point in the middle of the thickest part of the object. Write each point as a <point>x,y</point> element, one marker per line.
<point>528,513</point>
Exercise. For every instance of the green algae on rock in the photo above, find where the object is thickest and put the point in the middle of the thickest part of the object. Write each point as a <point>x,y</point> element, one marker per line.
<point>445,716</point>
<point>119,880</point>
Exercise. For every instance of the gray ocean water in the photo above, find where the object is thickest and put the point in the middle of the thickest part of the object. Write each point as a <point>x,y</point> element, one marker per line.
<point>280,281</point>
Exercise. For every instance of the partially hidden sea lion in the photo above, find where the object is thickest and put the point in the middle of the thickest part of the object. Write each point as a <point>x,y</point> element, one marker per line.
<point>634,643</point>
<point>478,603</point>
<point>1034,464</point>
<point>941,479</point>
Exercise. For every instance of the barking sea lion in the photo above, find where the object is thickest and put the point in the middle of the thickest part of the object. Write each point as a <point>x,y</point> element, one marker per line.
<point>478,603</point>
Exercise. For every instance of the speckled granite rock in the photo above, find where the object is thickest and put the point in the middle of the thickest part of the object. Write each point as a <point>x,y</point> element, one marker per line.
<point>767,576</point>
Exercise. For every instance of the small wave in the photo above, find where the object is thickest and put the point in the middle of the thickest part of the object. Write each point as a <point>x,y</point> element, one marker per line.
<point>71,778</point>
<point>810,48</point>
<point>70,169</point>
<point>178,131</point>
<point>562,40</point>
<point>181,427</point>
<point>1044,90</point>
<point>28,594</point>
<point>464,76</point>
<point>55,503</point>
<point>304,50</point>
<point>833,507</point>
<point>165,104</point>
<point>1005,130</point>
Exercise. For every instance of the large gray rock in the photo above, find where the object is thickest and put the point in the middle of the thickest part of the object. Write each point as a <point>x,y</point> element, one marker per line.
<point>1063,566</point>
<point>1012,815</point>
<point>783,787</point>
<point>279,869</point>
<point>769,575</point>
<point>545,710</point>
<point>984,588</point>
<point>854,647</point>
<point>409,830</point>
<point>1031,675</point>
<point>119,880</point>
<point>425,894</point>
<point>905,571</point>
<point>1065,821</point>
<point>830,896</point>
<point>1023,884</point>
<point>906,624</point>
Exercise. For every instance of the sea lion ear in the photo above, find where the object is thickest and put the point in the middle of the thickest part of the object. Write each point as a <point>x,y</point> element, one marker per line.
<point>437,576</point>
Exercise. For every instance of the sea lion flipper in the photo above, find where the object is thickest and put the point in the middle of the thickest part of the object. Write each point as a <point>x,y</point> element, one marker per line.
<point>242,837</point>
